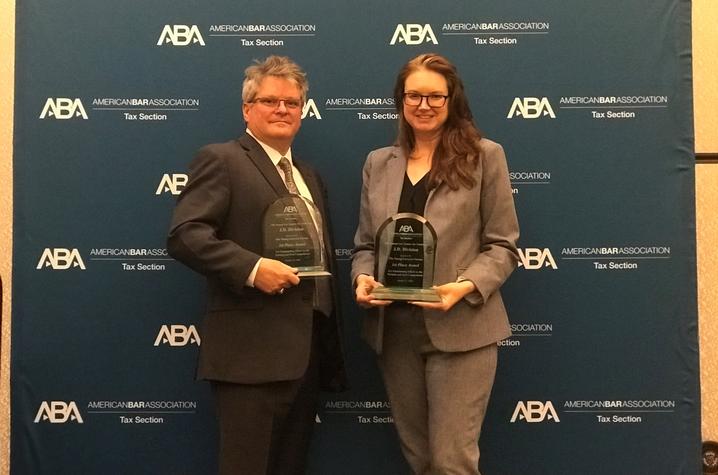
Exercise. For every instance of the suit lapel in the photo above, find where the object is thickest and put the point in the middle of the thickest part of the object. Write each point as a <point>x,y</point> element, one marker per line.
<point>311,180</point>
<point>394,180</point>
<point>263,163</point>
<point>430,199</point>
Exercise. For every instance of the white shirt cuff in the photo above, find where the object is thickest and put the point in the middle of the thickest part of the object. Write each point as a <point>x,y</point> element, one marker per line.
<point>253,274</point>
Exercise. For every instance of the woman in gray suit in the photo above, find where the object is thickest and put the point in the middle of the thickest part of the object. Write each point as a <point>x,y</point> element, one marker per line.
<point>438,360</point>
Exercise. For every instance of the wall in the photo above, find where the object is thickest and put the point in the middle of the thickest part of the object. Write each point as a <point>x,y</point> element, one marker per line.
<point>705,91</point>
<point>705,75</point>
<point>707,237</point>
<point>7,52</point>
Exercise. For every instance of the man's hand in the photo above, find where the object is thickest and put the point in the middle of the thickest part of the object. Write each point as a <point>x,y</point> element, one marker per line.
<point>274,276</point>
<point>450,294</point>
<point>365,286</point>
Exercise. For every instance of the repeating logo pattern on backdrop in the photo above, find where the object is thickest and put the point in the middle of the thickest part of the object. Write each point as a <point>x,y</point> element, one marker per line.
<point>61,259</point>
<point>172,183</point>
<point>534,411</point>
<point>533,258</point>
<point>413,34</point>
<point>177,335</point>
<point>63,108</point>
<point>180,35</point>
<point>546,122</point>
<point>531,108</point>
<point>310,110</point>
<point>58,412</point>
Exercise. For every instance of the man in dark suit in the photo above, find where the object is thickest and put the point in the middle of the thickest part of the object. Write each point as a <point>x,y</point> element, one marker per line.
<point>270,340</point>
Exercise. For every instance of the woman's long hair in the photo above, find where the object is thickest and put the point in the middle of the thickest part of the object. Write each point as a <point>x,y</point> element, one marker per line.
<point>457,153</point>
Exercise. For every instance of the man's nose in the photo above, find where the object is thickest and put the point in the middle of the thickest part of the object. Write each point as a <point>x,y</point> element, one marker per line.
<point>282,107</point>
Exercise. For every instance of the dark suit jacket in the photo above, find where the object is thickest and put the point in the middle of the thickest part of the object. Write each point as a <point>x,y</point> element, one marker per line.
<point>476,232</point>
<point>248,337</point>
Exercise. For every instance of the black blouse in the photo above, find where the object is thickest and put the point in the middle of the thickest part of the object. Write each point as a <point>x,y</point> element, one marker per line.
<point>412,200</point>
<point>413,196</point>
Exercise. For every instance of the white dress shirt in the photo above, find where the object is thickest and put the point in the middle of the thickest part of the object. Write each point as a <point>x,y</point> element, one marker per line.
<point>275,156</point>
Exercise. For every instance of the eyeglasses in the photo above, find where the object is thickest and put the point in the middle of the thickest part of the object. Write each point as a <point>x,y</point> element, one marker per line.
<point>433,100</point>
<point>273,102</point>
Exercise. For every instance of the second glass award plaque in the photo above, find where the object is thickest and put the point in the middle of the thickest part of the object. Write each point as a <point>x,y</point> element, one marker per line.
<point>290,235</point>
<point>405,250</point>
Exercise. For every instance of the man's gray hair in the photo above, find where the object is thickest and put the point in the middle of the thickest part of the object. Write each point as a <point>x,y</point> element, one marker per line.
<point>277,66</point>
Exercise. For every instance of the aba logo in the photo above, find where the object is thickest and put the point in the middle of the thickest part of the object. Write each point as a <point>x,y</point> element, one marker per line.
<point>406,228</point>
<point>290,209</point>
<point>310,110</point>
<point>58,412</point>
<point>63,108</point>
<point>60,259</point>
<point>413,34</point>
<point>533,258</point>
<point>173,183</point>
<point>531,108</point>
<point>177,335</point>
<point>534,411</point>
<point>180,35</point>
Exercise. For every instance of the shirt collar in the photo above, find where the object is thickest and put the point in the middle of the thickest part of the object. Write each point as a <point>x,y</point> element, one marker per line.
<point>274,155</point>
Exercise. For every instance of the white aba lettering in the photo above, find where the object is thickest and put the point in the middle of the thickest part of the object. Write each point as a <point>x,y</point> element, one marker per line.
<point>531,108</point>
<point>532,258</point>
<point>180,35</point>
<point>60,259</point>
<point>310,109</point>
<point>173,183</point>
<point>413,34</point>
<point>58,412</point>
<point>177,335</point>
<point>63,108</point>
<point>534,411</point>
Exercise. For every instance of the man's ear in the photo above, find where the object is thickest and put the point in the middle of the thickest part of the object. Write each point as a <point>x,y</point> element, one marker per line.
<point>245,110</point>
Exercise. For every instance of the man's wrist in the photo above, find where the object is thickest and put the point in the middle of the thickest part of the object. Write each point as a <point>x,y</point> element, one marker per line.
<point>253,274</point>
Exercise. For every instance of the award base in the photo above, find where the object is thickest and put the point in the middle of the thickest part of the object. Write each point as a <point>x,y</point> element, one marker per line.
<point>315,271</point>
<point>406,293</point>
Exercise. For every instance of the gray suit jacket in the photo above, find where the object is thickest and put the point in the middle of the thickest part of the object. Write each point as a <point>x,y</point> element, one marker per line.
<point>248,337</point>
<point>476,232</point>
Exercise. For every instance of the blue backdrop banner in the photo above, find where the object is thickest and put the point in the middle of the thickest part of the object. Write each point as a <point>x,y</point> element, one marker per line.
<point>592,103</point>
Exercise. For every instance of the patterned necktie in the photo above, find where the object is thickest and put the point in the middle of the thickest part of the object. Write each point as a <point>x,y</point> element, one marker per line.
<point>322,285</point>
<point>288,175</point>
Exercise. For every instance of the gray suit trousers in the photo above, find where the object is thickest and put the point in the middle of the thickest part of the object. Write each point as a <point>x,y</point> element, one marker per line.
<point>438,398</point>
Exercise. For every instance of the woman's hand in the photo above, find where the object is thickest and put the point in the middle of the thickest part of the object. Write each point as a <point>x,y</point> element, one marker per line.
<point>450,294</point>
<point>365,285</point>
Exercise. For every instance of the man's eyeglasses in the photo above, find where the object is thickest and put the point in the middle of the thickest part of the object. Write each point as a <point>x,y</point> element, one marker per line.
<point>433,100</point>
<point>273,102</point>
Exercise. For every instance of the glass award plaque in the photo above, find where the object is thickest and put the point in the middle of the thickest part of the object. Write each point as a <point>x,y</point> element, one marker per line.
<point>405,250</point>
<point>290,235</point>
